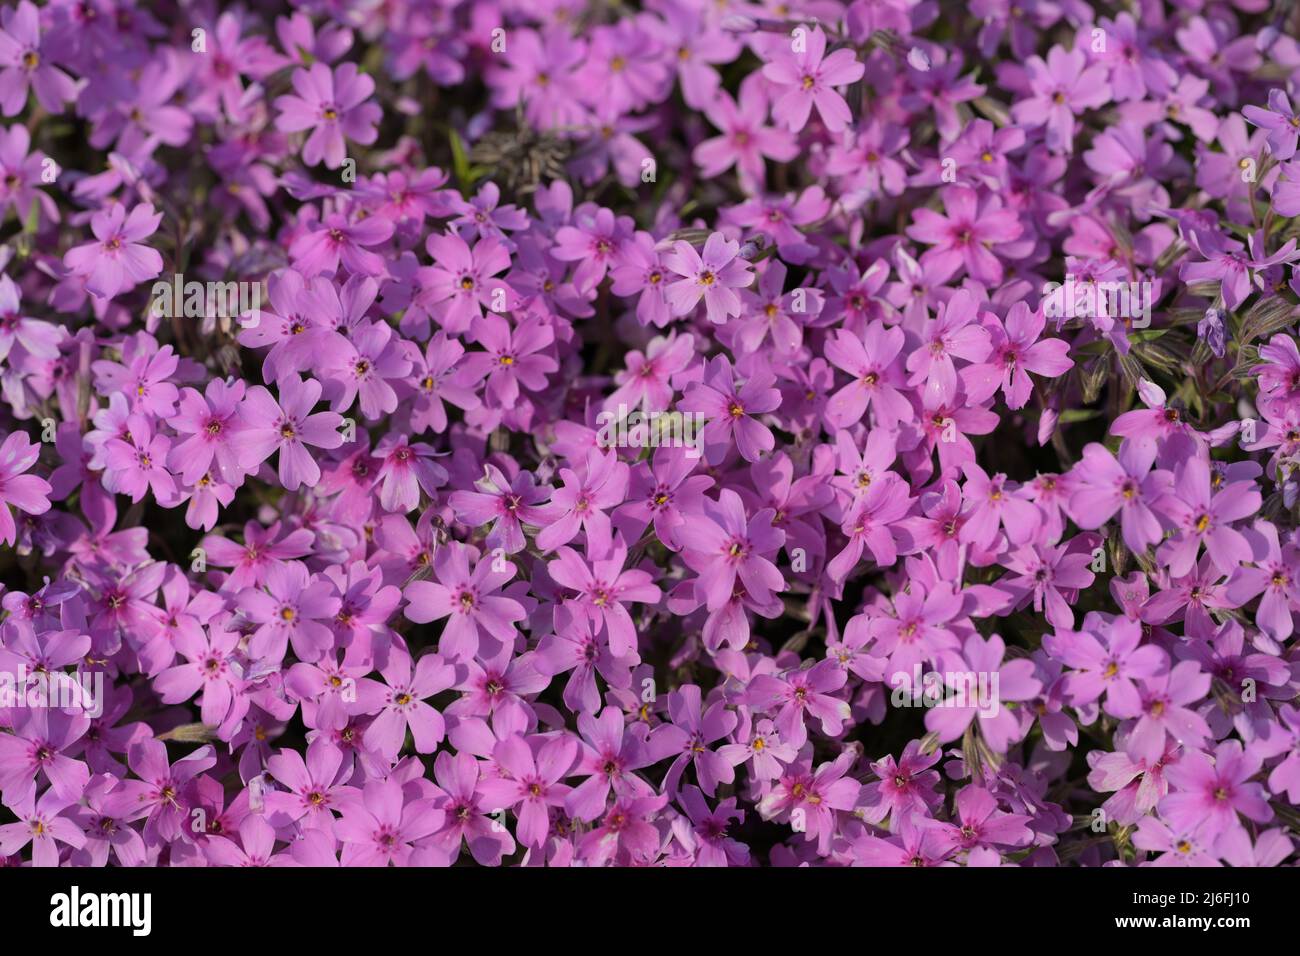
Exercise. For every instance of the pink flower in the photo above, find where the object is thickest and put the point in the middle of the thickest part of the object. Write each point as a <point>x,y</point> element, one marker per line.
<point>1061,88</point>
<point>603,588</point>
<point>118,259</point>
<point>964,240</point>
<point>806,76</point>
<point>583,500</point>
<point>332,104</point>
<point>798,695</point>
<point>287,426</point>
<point>726,548</point>
<point>1017,349</point>
<point>713,277</point>
<point>461,282</point>
<point>25,492</point>
<point>730,409</point>
<point>290,610</point>
<point>380,829</point>
<point>403,704</point>
<point>535,766</point>
<point>468,600</point>
<point>1212,790</point>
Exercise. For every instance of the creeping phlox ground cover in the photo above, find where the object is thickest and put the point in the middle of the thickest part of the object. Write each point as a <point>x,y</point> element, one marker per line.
<point>685,432</point>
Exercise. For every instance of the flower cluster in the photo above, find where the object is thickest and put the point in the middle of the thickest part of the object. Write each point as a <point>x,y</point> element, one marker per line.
<point>952,514</point>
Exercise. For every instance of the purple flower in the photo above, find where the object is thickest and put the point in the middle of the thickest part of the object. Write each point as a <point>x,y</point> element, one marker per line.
<point>712,276</point>
<point>26,62</point>
<point>25,492</point>
<point>1061,88</point>
<point>332,104</point>
<point>287,426</point>
<point>1211,790</point>
<point>730,409</point>
<point>117,260</point>
<point>468,600</point>
<point>806,77</point>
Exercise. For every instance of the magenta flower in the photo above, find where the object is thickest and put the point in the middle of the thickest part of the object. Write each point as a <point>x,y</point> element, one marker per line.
<point>1161,710</point>
<point>877,376</point>
<point>25,62</point>
<point>595,241</point>
<point>465,808</point>
<point>1127,485</point>
<point>730,409</point>
<point>163,794</point>
<point>912,846</point>
<point>212,421</point>
<point>462,284</point>
<point>1048,578</point>
<point>902,787</point>
<point>25,492</point>
<point>806,76</point>
<point>140,465</point>
<point>468,600</point>
<point>1211,790</point>
<point>511,358</point>
<point>726,548</point>
<point>403,704</point>
<point>692,731</point>
<point>535,766</point>
<point>625,835</point>
<point>1281,121</point>
<point>211,669</point>
<point>981,823</point>
<point>1201,515</point>
<point>505,504</point>
<point>745,141</point>
<point>798,695</point>
<point>662,493</point>
<point>712,275</point>
<point>44,823</point>
<point>117,260</point>
<point>581,502</point>
<point>817,796</point>
<point>917,632</point>
<point>337,240</point>
<point>1274,576</point>
<point>290,611</point>
<point>1107,662</point>
<point>39,748</point>
<point>38,338</point>
<point>964,239</point>
<point>603,588</point>
<point>1061,88</point>
<point>610,755</point>
<point>983,701</point>
<point>332,104</point>
<point>381,828</point>
<point>992,505</point>
<point>1017,349</point>
<point>868,525</point>
<point>287,426</point>
<point>363,366</point>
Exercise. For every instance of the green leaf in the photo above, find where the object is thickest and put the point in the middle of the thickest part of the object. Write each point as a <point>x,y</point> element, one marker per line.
<point>1072,415</point>
<point>1266,317</point>
<point>460,160</point>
